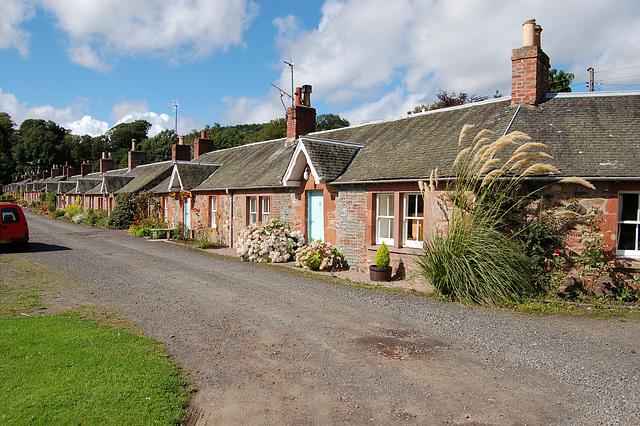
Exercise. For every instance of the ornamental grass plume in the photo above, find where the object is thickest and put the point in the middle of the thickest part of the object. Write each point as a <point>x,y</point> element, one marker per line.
<point>478,258</point>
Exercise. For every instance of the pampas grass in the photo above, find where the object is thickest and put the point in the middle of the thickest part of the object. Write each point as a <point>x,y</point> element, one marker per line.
<point>476,260</point>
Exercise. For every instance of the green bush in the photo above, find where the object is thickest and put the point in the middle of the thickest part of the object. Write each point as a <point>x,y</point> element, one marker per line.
<point>319,256</point>
<point>143,227</point>
<point>132,207</point>
<point>58,213</point>
<point>51,201</point>
<point>382,256</point>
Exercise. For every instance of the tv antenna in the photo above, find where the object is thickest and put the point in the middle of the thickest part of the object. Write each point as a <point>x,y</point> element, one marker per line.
<point>174,105</point>
<point>282,92</point>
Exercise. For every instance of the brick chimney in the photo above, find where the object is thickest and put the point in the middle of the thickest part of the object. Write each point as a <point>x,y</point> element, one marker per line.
<point>106,163</point>
<point>85,168</point>
<point>301,118</point>
<point>530,68</point>
<point>55,171</point>
<point>202,145</point>
<point>180,151</point>
<point>69,171</point>
<point>135,157</point>
<point>46,174</point>
<point>38,175</point>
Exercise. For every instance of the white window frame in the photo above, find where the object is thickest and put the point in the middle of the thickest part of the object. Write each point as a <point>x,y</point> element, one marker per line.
<point>252,209</point>
<point>408,216</point>
<point>628,222</point>
<point>385,211</point>
<point>265,213</point>
<point>213,211</point>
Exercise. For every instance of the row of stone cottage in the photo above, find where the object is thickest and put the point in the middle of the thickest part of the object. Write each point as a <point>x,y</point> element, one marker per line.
<point>358,186</point>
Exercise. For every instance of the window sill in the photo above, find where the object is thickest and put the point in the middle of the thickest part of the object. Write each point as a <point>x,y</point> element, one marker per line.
<point>626,262</point>
<point>394,250</point>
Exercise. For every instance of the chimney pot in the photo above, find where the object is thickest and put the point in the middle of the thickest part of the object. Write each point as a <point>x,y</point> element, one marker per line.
<point>306,95</point>
<point>203,134</point>
<point>529,33</point>
<point>298,95</point>
<point>133,144</point>
<point>180,140</point>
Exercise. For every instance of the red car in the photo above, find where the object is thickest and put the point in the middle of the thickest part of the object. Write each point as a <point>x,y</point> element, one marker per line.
<point>13,226</point>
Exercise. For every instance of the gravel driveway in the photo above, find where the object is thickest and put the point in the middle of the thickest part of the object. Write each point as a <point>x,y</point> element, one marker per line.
<point>265,345</point>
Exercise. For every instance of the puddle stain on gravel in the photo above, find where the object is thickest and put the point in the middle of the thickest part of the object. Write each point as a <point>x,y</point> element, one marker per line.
<point>402,345</point>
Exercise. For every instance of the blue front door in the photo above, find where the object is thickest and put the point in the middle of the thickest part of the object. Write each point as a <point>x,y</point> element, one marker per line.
<point>315,216</point>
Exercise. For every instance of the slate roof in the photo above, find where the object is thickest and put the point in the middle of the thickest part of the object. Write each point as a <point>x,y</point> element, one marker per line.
<point>330,159</point>
<point>146,177</point>
<point>592,135</point>
<point>589,135</point>
<point>256,165</point>
<point>110,184</point>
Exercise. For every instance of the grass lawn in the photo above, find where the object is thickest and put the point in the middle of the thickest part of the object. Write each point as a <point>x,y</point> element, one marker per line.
<point>69,368</point>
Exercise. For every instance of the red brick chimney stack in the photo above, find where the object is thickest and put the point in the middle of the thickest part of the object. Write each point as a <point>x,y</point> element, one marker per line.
<point>530,68</point>
<point>106,163</point>
<point>69,171</point>
<point>85,168</point>
<point>301,118</point>
<point>135,157</point>
<point>202,145</point>
<point>180,151</point>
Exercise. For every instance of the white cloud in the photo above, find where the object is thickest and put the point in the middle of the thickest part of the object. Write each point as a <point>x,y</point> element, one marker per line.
<point>253,110</point>
<point>87,125</point>
<point>99,29</point>
<point>386,54</point>
<point>14,12</point>
<point>132,110</point>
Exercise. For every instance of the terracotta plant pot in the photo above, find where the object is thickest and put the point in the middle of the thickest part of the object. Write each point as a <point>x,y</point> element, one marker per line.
<point>380,274</point>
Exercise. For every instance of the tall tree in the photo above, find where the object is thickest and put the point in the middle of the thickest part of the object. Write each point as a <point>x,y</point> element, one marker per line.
<point>275,129</point>
<point>559,81</point>
<point>330,121</point>
<point>118,139</point>
<point>158,148</point>
<point>39,145</point>
<point>7,139</point>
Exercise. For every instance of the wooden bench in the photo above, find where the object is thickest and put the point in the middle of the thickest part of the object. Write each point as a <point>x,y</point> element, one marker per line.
<point>167,230</point>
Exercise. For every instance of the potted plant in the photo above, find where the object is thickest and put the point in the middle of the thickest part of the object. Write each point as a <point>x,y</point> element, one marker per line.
<point>381,271</point>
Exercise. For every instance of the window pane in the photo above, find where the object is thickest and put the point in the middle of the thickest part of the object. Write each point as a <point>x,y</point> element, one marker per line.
<point>414,230</point>
<point>629,207</point>
<point>627,237</point>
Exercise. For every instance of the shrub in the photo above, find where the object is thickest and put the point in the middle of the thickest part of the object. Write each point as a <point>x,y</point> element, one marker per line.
<point>51,201</point>
<point>74,209</point>
<point>58,213</point>
<point>132,207</point>
<point>382,256</point>
<point>143,227</point>
<point>319,256</point>
<point>79,218</point>
<point>272,241</point>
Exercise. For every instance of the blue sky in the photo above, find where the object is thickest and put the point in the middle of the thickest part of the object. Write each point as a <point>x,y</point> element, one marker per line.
<point>89,65</point>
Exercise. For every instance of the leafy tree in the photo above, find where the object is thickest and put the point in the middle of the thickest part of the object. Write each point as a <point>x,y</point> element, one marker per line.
<point>7,139</point>
<point>446,99</point>
<point>330,121</point>
<point>118,139</point>
<point>39,145</point>
<point>559,81</point>
<point>274,129</point>
<point>158,148</point>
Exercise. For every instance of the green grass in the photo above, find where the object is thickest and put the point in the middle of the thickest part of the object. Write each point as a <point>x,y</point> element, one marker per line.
<point>91,365</point>
<point>60,369</point>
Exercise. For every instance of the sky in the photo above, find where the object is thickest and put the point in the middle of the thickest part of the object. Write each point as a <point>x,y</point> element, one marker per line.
<point>90,65</point>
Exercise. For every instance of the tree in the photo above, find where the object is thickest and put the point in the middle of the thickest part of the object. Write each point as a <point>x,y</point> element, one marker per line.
<point>446,99</point>
<point>274,129</point>
<point>39,145</point>
<point>7,139</point>
<point>158,148</point>
<point>330,121</point>
<point>559,81</point>
<point>118,139</point>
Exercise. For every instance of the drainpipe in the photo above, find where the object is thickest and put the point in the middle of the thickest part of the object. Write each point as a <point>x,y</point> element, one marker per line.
<point>230,194</point>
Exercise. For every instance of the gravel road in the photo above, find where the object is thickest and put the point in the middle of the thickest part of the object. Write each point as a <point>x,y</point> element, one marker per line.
<point>265,345</point>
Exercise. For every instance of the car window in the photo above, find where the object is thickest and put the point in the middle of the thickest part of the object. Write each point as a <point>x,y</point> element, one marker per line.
<point>10,215</point>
